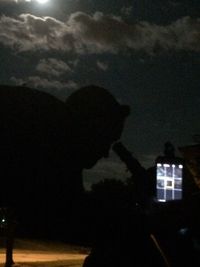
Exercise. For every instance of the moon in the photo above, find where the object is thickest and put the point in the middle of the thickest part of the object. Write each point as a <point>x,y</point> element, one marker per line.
<point>42,1</point>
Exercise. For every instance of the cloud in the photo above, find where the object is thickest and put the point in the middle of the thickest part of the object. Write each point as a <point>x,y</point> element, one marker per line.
<point>102,65</point>
<point>15,1</point>
<point>53,67</point>
<point>29,33</point>
<point>126,10</point>
<point>96,34</point>
<point>39,82</point>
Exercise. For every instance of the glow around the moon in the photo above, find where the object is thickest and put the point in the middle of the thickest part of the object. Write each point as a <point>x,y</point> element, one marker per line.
<point>38,1</point>
<point>42,1</point>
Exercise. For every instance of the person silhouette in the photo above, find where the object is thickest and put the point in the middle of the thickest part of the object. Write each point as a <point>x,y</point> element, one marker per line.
<point>98,119</point>
<point>45,145</point>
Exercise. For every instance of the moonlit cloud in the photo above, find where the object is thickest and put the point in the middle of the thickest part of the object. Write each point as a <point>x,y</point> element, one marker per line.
<point>39,82</point>
<point>99,33</point>
<point>17,1</point>
<point>29,33</point>
<point>53,66</point>
<point>110,34</point>
<point>102,65</point>
<point>126,10</point>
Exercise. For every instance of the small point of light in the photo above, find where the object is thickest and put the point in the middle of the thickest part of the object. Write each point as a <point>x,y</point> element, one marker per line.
<point>161,200</point>
<point>3,220</point>
<point>166,165</point>
<point>159,165</point>
<point>183,231</point>
<point>180,166</point>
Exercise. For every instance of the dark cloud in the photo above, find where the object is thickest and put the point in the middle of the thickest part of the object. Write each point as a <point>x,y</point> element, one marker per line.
<point>99,33</point>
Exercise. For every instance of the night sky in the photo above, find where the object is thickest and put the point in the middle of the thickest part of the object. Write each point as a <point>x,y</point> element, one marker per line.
<point>146,52</point>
